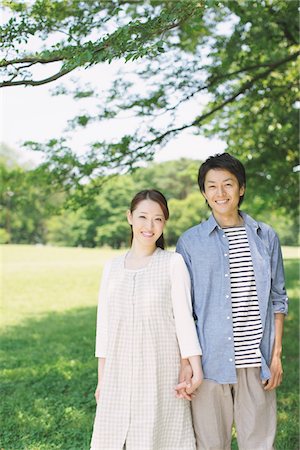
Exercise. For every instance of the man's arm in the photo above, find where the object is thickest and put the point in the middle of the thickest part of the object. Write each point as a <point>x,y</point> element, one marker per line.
<point>276,364</point>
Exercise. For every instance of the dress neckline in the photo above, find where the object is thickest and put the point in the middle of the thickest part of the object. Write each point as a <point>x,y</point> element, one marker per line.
<point>144,267</point>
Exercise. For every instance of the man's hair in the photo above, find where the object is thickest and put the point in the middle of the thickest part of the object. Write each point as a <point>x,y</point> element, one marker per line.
<point>223,161</point>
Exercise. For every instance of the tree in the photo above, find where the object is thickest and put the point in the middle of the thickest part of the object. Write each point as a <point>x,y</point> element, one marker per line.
<point>241,54</point>
<point>26,201</point>
<point>185,213</point>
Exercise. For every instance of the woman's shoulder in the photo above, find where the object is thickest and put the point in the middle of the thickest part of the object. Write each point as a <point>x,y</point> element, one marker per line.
<point>114,261</point>
<point>172,256</point>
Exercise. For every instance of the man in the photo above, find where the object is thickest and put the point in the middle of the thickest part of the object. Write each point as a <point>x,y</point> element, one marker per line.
<point>239,302</point>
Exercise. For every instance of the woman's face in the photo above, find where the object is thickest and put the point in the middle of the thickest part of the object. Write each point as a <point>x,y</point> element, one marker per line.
<point>147,222</point>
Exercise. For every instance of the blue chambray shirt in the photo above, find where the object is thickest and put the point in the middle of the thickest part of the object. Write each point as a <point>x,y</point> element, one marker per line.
<point>205,250</point>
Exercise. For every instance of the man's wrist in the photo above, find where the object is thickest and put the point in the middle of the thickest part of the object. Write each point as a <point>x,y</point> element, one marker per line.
<point>277,352</point>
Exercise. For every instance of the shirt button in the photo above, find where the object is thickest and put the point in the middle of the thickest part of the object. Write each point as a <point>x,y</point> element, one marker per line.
<point>230,360</point>
<point>229,338</point>
<point>224,235</point>
<point>227,296</point>
<point>228,317</point>
<point>226,274</point>
<point>225,254</point>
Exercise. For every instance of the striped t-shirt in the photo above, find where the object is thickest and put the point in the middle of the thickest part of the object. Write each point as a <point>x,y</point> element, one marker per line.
<point>247,328</point>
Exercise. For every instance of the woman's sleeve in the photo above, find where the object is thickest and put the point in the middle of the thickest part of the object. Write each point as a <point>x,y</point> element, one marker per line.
<point>102,326</point>
<point>182,308</point>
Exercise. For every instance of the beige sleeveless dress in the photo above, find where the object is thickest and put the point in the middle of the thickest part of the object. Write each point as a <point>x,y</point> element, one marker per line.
<point>138,409</point>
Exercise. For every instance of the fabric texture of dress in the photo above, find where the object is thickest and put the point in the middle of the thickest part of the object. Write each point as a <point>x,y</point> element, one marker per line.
<point>136,333</point>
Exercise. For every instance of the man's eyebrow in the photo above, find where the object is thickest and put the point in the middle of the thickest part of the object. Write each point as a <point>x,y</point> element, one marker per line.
<point>213,181</point>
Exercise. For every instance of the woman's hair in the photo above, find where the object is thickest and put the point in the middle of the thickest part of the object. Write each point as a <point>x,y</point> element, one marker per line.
<point>155,196</point>
<point>223,161</point>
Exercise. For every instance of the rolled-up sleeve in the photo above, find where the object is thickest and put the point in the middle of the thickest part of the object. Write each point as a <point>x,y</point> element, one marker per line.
<point>102,326</point>
<point>182,308</point>
<point>278,292</point>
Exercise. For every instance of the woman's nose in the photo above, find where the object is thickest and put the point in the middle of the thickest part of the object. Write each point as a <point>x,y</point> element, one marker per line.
<point>150,224</point>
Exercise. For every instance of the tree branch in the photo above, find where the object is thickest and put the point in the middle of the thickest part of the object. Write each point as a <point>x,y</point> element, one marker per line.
<point>245,87</point>
<point>35,83</point>
<point>217,78</point>
<point>30,59</point>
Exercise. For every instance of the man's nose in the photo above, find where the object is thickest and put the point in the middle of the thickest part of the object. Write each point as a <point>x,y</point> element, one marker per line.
<point>220,190</point>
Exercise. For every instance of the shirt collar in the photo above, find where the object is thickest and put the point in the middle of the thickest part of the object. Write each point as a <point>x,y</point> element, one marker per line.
<point>212,224</point>
<point>249,221</point>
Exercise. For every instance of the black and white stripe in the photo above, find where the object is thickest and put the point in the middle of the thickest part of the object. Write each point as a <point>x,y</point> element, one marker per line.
<point>247,328</point>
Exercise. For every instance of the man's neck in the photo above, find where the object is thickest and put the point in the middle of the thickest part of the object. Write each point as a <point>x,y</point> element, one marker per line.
<point>234,220</point>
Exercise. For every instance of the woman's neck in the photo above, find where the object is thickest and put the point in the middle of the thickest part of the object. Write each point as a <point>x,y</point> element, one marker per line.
<point>138,258</point>
<point>138,252</point>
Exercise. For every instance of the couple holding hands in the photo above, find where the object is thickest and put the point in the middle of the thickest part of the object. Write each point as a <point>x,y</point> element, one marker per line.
<point>189,342</point>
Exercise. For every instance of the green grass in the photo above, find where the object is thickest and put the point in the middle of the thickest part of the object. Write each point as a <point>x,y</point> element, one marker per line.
<point>48,369</point>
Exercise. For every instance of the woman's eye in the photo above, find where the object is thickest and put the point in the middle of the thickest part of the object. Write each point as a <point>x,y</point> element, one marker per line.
<point>159,219</point>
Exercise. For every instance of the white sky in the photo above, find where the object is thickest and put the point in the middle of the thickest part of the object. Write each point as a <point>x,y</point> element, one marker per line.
<point>32,113</point>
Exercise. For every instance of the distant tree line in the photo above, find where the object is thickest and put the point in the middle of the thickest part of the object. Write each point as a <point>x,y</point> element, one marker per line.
<point>33,212</point>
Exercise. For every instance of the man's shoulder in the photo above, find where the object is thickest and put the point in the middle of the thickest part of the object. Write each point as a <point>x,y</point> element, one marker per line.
<point>264,227</point>
<point>195,231</point>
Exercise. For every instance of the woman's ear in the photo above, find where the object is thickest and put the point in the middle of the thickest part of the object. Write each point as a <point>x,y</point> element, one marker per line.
<point>129,217</point>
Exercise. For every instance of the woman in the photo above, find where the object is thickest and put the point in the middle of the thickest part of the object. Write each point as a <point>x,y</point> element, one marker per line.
<point>144,326</point>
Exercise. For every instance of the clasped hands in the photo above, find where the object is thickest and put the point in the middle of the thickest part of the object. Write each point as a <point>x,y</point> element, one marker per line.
<point>189,380</point>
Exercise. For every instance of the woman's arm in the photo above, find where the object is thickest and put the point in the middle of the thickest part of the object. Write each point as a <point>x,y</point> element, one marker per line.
<point>102,316</point>
<point>101,364</point>
<point>190,375</point>
<point>102,326</point>
<point>182,308</point>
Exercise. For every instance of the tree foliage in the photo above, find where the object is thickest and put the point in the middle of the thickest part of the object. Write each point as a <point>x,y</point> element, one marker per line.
<point>237,58</point>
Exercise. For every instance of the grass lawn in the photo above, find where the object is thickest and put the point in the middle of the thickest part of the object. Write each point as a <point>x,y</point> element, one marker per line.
<point>48,369</point>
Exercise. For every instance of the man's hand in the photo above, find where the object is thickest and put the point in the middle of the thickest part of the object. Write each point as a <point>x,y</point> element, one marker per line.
<point>196,381</point>
<point>190,377</point>
<point>185,380</point>
<point>276,374</point>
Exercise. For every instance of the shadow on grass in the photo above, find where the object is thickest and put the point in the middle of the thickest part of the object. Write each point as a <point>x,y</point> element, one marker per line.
<point>49,376</point>
<point>288,393</point>
<point>48,380</point>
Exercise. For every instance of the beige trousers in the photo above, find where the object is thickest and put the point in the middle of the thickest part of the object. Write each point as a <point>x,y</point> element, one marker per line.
<point>216,406</point>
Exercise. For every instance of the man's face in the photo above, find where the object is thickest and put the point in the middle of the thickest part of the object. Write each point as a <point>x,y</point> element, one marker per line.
<point>222,192</point>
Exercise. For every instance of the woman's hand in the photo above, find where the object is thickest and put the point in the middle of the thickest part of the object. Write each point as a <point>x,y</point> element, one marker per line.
<point>97,393</point>
<point>190,377</point>
<point>185,376</point>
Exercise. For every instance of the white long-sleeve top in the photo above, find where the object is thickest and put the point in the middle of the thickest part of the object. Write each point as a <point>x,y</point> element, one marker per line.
<point>180,284</point>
